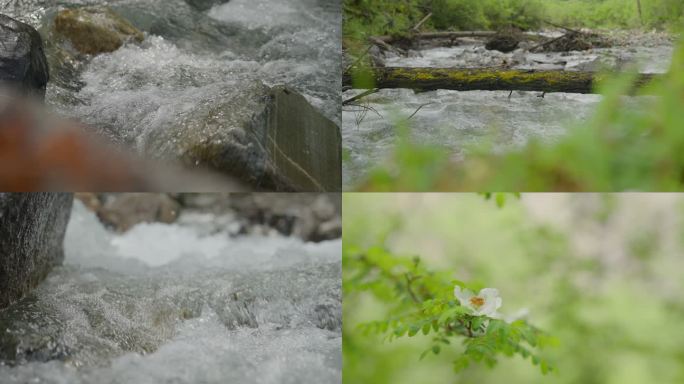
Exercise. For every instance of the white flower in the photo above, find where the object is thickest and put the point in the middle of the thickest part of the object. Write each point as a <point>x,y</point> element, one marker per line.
<point>484,303</point>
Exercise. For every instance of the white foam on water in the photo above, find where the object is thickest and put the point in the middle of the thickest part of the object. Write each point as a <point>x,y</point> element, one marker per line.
<point>259,13</point>
<point>176,303</point>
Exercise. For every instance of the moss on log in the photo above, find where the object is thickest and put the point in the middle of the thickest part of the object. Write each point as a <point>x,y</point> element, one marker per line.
<point>485,79</point>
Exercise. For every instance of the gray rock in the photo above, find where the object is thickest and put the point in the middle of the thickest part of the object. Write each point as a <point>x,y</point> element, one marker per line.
<point>32,228</point>
<point>270,137</point>
<point>22,60</point>
<point>204,5</point>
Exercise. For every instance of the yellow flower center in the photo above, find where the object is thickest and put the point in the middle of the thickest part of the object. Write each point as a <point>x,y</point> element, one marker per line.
<point>477,301</point>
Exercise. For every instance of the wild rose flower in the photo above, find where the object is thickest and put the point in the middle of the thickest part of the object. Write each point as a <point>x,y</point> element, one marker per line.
<point>484,303</point>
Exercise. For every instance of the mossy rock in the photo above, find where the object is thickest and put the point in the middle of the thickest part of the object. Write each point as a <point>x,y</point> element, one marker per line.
<point>95,30</point>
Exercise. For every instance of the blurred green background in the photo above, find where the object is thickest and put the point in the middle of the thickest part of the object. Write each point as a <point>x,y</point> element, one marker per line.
<point>604,274</point>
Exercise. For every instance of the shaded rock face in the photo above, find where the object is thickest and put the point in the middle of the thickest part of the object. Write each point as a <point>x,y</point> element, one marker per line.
<point>22,60</point>
<point>270,137</point>
<point>32,227</point>
<point>203,5</point>
<point>95,30</point>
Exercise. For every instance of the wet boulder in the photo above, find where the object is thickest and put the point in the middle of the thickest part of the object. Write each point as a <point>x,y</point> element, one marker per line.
<point>503,43</point>
<point>95,30</point>
<point>32,228</point>
<point>271,138</point>
<point>22,60</point>
<point>124,211</point>
<point>204,5</point>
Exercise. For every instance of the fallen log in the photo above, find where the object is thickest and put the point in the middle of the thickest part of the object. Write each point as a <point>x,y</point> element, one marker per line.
<point>487,79</point>
<point>446,35</point>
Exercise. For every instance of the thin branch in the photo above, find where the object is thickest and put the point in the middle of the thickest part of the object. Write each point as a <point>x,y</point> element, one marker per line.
<point>418,110</point>
<point>410,291</point>
<point>420,23</point>
<point>359,59</point>
<point>360,96</point>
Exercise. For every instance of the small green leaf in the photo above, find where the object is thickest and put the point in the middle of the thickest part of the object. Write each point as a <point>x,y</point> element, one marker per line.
<point>413,329</point>
<point>500,200</point>
<point>422,355</point>
<point>461,363</point>
<point>545,367</point>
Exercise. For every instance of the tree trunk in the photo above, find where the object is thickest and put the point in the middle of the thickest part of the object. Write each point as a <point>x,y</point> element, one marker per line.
<point>641,17</point>
<point>428,79</point>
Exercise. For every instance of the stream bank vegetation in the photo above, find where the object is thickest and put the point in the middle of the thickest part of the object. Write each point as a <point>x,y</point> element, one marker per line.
<point>618,148</point>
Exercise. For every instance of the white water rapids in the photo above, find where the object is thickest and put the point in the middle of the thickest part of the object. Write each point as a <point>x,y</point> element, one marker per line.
<point>178,303</point>
<point>192,60</point>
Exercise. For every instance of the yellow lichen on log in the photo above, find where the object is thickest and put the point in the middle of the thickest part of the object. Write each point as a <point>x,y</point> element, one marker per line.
<point>489,79</point>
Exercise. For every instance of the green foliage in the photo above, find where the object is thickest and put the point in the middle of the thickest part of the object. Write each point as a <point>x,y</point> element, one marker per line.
<point>486,14</point>
<point>614,308</point>
<point>616,13</point>
<point>422,302</point>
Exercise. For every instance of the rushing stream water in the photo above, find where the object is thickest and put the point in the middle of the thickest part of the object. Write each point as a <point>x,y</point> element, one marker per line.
<point>460,120</point>
<point>192,60</point>
<point>179,303</point>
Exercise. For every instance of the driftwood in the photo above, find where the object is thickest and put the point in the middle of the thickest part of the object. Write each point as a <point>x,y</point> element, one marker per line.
<point>445,35</point>
<point>488,79</point>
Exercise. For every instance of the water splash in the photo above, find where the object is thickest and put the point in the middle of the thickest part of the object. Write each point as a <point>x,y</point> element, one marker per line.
<point>141,307</point>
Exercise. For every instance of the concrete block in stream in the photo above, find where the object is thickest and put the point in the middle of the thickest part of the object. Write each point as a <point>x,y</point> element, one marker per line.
<point>305,146</point>
<point>32,227</point>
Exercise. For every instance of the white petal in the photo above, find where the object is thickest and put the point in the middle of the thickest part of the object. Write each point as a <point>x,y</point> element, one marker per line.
<point>463,295</point>
<point>488,308</point>
<point>498,303</point>
<point>489,293</point>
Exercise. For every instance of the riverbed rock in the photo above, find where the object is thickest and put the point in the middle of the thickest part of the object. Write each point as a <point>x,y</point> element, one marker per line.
<point>311,217</point>
<point>22,58</point>
<point>95,30</point>
<point>204,5</point>
<point>503,43</point>
<point>271,138</point>
<point>32,228</point>
<point>123,211</point>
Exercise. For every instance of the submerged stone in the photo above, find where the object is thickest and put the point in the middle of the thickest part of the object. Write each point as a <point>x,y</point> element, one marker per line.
<point>22,59</point>
<point>204,5</point>
<point>95,30</point>
<point>32,228</point>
